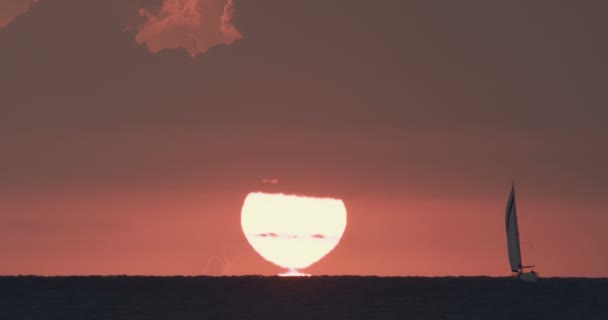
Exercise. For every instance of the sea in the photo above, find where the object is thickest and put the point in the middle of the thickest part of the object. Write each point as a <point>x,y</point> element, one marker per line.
<point>285,298</point>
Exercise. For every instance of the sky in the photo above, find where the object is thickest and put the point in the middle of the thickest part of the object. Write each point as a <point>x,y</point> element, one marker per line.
<point>131,132</point>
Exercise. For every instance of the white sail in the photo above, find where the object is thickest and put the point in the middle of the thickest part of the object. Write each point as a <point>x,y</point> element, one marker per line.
<point>513,233</point>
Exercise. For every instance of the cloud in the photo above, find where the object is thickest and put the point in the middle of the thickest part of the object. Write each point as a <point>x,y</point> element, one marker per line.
<point>10,9</point>
<point>195,25</point>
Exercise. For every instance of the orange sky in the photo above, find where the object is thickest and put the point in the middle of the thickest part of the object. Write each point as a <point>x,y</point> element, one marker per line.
<point>119,160</point>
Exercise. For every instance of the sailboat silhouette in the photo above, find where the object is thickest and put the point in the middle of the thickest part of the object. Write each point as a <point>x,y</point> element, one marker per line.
<point>513,245</point>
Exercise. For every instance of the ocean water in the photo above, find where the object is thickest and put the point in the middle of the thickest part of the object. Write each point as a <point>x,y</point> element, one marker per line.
<point>326,297</point>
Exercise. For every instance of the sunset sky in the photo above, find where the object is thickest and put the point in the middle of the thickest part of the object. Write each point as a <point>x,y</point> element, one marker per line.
<point>131,132</point>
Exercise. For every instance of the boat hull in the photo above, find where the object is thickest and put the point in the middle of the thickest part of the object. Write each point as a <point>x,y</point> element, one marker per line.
<point>528,276</point>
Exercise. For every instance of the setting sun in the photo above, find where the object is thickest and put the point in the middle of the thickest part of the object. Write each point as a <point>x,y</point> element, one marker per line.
<point>292,231</point>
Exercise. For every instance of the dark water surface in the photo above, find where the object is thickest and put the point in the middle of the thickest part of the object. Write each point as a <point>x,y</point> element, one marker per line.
<point>175,298</point>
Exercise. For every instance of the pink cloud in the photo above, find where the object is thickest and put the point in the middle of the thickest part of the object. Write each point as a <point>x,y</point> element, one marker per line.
<point>10,9</point>
<point>195,25</point>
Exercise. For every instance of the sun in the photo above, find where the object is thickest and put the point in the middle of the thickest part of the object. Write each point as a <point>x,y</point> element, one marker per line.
<point>292,231</point>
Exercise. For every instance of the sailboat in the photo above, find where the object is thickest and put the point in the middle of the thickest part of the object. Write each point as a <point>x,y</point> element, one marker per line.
<point>513,242</point>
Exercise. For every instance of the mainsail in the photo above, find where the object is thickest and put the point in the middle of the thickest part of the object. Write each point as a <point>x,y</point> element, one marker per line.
<point>513,233</point>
